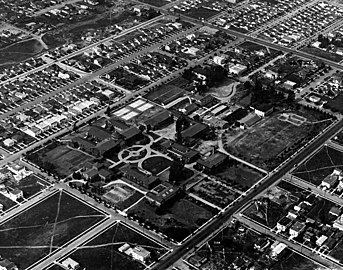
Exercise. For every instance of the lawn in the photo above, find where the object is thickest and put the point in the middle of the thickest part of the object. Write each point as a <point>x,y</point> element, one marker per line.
<point>40,230</point>
<point>199,12</point>
<point>239,176</point>
<point>59,159</point>
<point>337,252</point>
<point>157,3</point>
<point>156,164</point>
<point>272,140</point>
<point>321,164</point>
<point>174,220</point>
<point>101,253</point>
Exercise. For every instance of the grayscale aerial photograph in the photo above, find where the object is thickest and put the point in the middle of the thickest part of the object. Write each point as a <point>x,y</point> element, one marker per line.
<point>171,134</point>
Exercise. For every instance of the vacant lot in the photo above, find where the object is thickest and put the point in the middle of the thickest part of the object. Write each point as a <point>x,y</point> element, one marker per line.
<point>100,254</point>
<point>174,220</point>
<point>320,165</point>
<point>271,141</point>
<point>40,230</point>
<point>156,164</point>
<point>324,54</point>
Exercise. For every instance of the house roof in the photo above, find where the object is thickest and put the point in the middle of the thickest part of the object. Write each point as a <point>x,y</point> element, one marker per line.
<point>7,264</point>
<point>105,173</point>
<point>331,179</point>
<point>284,221</point>
<point>106,145</point>
<point>91,172</point>
<point>158,118</point>
<point>263,107</point>
<point>194,130</point>
<point>298,226</point>
<point>139,176</point>
<point>118,124</point>
<point>83,142</point>
<point>130,133</point>
<point>213,160</point>
<point>162,192</point>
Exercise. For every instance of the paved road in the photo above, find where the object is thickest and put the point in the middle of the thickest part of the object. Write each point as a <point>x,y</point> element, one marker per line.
<point>82,49</point>
<point>218,223</point>
<point>291,244</point>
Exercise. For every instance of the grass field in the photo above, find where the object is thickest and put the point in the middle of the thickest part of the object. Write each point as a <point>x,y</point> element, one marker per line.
<point>239,176</point>
<point>337,252</point>
<point>269,142</point>
<point>174,221</point>
<point>102,253</point>
<point>37,231</point>
<point>321,164</point>
<point>156,164</point>
<point>65,159</point>
<point>20,51</point>
<point>336,104</point>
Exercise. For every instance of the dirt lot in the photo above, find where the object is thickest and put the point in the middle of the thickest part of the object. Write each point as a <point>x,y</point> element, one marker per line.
<point>264,144</point>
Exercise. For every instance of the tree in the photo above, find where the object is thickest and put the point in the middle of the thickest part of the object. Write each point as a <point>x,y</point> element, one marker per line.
<point>176,171</point>
<point>108,111</point>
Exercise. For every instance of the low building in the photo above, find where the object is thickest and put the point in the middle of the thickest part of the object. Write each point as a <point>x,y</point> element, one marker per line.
<point>15,194</point>
<point>98,133</point>
<point>106,147</point>
<point>90,174</point>
<point>8,142</point>
<point>335,211</point>
<point>330,181</point>
<point>105,174</point>
<point>70,264</point>
<point>131,134</point>
<point>181,152</point>
<point>138,253</point>
<point>195,132</point>
<point>249,120</point>
<point>297,228</point>
<point>283,224</point>
<point>321,240</point>
<point>159,120</point>
<point>263,110</point>
<point>124,247</point>
<point>278,250</point>
<point>162,193</point>
<point>211,163</point>
<point>133,174</point>
<point>7,265</point>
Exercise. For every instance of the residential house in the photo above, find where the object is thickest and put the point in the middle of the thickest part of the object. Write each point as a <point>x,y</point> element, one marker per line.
<point>283,224</point>
<point>321,240</point>
<point>297,228</point>
<point>8,142</point>
<point>330,181</point>
<point>277,250</point>
<point>14,194</point>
